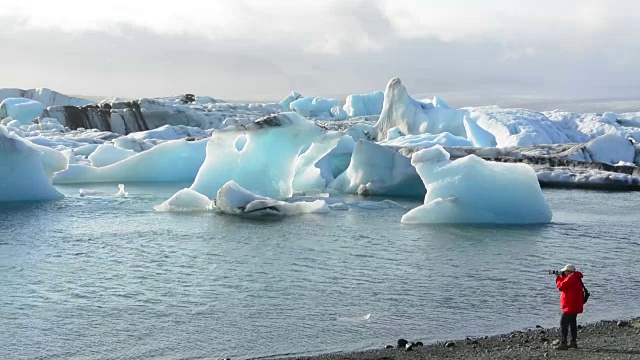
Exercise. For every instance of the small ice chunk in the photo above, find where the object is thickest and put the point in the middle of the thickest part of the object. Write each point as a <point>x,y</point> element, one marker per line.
<point>236,200</point>
<point>186,200</point>
<point>121,192</point>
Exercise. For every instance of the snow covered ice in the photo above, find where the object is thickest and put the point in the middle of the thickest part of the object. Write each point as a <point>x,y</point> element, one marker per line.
<point>471,190</point>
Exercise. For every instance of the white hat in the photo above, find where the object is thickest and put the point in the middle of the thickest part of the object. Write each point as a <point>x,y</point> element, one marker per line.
<point>569,267</point>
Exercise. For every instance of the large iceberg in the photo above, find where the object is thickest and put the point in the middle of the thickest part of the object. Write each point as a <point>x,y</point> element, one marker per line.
<point>473,191</point>
<point>22,175</point>
<point>260,157</point>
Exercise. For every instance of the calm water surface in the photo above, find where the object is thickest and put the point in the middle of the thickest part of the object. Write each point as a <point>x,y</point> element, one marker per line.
<point>106,277</point>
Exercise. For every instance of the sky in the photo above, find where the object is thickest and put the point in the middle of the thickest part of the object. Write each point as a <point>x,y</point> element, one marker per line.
<point>264,49</point>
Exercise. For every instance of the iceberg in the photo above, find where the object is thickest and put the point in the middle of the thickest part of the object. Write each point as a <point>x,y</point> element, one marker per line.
<point>414,117</point>
<point>364,104</point>
<point>22,175</point>
<point>285,104</point>
<point>426,140</point>
<point>314,106</point>
<point>21,109</point>
<point>186,200</point>
<point>176,160</point>
<point>260,157</point>
<point>519,127</point>
<point>471,190</point>
<point>610,149</point>
<point>107,154</point>
<point>378,170</point>
<point>234,199</point>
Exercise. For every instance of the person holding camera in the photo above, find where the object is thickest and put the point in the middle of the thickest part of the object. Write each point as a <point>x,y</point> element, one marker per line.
<point>569,282</point>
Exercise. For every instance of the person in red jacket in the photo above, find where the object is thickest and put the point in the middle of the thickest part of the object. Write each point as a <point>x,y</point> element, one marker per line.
<point>569,282</point>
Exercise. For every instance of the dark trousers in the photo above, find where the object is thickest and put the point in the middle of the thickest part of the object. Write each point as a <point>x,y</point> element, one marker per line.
<point>566,321</point>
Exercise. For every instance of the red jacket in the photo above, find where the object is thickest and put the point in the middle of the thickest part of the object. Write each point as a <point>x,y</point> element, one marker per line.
<point>572,296</point>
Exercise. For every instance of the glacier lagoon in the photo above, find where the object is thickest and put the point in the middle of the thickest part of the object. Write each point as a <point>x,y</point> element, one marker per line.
<point>92,275</point>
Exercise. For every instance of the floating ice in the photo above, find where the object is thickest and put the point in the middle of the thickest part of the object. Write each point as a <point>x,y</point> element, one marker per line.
<point>415,117</point>
<point>186,200</point>
<point>107,154</point>
<point>234,199</point>
<point>308,176</point>
<point>121,191</point>
<point>364,104</point>
<point>378,170</point>
<point>176,160</point>
<point>21,109</point>
<point>285,104</point>
<point>611,149</point>
<point>22,174</point>
<point>518,127</point>
<point>314,106</point>
<point>426,140</point>
<point>265,164</point>
<point>472,190</point>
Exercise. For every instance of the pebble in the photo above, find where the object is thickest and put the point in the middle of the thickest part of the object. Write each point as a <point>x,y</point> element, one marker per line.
<point>389,347</point>
<point>449,344</point>
<point>622,323</point>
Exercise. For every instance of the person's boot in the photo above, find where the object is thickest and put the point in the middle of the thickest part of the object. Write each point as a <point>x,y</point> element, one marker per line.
<point>573,344</point>
<point>562,346</point>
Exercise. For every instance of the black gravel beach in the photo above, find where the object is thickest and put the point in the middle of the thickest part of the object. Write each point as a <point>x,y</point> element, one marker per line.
<point>602,340</point>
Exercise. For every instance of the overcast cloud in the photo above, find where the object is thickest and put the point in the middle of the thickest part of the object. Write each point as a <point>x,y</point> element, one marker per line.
<point>261,50</point>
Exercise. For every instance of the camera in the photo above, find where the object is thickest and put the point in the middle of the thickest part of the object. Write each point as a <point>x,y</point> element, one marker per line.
<point>556,272</point>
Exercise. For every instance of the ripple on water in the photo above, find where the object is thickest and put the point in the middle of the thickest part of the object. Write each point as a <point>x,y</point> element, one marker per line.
<point>86,277</point>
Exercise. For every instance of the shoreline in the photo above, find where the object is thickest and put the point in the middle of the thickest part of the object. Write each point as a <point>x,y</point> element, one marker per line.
<point>605,339</point>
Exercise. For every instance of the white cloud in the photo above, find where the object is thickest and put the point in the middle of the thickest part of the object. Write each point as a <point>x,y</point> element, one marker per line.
<point>263,49</point>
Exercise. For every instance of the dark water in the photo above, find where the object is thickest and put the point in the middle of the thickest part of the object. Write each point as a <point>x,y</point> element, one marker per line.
<point>107,277</point>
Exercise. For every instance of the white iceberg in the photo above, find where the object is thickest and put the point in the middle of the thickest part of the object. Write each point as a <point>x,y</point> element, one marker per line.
<point>364,104</point>
<point>21,109</point>
<point>260,157</point>
<point>314,106</point>
<point>22,175</point>
<point>186,200</point>
<point>414,117</point>
<point>107,154</point>
<point>176,160</point>
<point>473,191</point>
<point>234,199</point>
